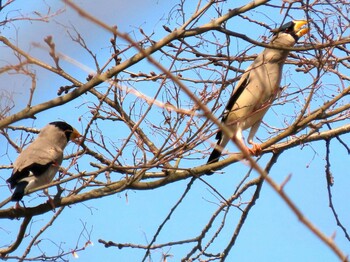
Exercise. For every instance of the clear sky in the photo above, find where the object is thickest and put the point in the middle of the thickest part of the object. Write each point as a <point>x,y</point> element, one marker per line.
<point>271,232</point>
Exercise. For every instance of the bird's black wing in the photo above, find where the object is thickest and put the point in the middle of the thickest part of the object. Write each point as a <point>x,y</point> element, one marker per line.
<point>215,155</point>
<point>229,106</point>
<point>33,169</point>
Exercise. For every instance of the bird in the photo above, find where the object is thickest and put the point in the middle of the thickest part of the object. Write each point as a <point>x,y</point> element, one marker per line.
<point>257,89</point>
<point>38,163</point>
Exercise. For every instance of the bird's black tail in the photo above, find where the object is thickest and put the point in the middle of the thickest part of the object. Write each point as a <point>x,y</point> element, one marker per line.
<point>214,156</point>
<point>19,191</point>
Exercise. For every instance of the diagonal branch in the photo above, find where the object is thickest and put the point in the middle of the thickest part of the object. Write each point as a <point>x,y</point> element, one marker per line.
<point>20,235</point>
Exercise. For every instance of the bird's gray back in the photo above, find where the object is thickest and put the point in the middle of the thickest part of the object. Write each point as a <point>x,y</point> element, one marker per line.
<point>41,152</point>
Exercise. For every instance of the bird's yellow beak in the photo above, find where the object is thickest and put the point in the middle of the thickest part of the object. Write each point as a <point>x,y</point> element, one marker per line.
<point>298,27</point>
<point>75,135</point>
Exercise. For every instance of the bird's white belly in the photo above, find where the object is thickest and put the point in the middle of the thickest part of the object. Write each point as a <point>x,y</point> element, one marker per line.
<point>44,179</point>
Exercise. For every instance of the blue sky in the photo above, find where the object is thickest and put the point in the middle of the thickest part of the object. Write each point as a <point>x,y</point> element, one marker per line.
<point>271,232</point>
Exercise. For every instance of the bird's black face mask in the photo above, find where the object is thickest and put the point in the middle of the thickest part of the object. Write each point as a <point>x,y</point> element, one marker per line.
<point>287,28</point>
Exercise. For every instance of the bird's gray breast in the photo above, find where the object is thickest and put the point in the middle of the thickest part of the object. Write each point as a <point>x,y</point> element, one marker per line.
<point>266,79</point>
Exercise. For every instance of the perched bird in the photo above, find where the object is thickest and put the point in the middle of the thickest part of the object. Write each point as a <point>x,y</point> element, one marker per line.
<point>39,162</point>
<point>257,89</point>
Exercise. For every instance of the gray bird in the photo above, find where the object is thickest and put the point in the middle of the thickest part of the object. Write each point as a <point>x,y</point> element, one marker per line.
<point>257,89</point>
<point>39,162</point>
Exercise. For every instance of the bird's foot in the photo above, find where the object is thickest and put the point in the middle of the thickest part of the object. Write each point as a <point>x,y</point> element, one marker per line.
<point>50,200</point>
<point>17,206</point>
<point>255,150</point>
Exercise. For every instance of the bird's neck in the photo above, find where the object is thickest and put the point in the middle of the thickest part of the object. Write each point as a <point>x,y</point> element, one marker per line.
<point>275,56</point>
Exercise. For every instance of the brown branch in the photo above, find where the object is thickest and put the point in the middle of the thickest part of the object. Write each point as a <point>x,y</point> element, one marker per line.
<point>42,230</point>
<point>330,182</point>
<point>251,203</point>
<point>315,115</point>
<point>328,241</point>
<point>170,176</point>
<point>188,187</point>
<point>313,46</point>
<point>20,235</point>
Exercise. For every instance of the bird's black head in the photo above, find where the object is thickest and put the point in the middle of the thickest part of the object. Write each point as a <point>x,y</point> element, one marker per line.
<point>294,28</point>
<point>66,128</point>
<point>288,27</point>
